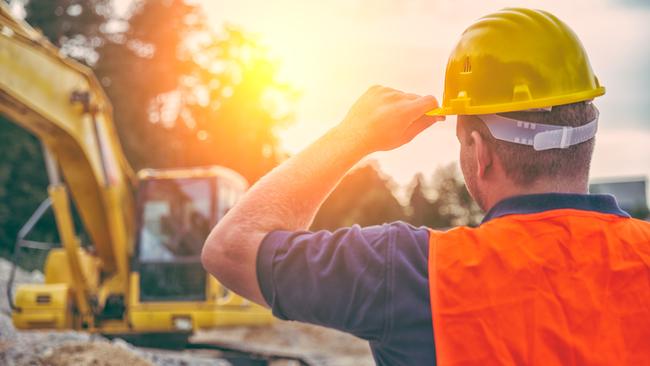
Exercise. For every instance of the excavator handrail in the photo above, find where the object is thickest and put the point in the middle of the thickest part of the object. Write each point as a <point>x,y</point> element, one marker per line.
<point>20,239</point>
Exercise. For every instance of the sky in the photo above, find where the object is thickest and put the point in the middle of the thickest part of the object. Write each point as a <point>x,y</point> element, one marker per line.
<point>334,50</point>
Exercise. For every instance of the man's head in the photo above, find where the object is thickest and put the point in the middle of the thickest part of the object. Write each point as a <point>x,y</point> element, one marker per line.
<point>495,169</point>
<point>530,62</point>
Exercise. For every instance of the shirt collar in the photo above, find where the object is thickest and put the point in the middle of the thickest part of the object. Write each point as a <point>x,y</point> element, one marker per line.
<point>534,203</point>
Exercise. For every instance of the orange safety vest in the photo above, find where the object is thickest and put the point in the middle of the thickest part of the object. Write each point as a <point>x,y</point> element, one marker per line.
<point>559,287</point>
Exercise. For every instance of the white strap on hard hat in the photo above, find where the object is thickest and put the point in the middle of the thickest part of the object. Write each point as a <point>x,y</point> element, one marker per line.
<point>538,135</point>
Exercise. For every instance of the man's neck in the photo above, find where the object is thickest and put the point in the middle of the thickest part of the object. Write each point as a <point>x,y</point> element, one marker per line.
<point>509,189</point>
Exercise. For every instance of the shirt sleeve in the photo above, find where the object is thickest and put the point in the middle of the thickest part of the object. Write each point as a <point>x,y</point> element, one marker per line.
<point>342,279</point>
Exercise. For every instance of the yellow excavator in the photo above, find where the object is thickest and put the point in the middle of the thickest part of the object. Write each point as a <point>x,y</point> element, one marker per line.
<point>140,271</point>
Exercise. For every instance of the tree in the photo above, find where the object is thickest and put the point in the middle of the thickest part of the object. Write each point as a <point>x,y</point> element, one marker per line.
<point>363,197</point>
<point>454,203</point>
<point>419,204</point>
<point>75,26</point>
<point>449,203</point>
<point>185,95</point>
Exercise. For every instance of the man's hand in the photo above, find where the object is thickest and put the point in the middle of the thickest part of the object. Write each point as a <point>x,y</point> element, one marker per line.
<point>384,118</point>
<point>288,197</point>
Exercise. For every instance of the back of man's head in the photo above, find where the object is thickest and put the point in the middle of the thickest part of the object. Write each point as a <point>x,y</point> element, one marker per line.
<point>524,165</point>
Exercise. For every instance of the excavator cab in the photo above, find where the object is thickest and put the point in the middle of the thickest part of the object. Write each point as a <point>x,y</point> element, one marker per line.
<point>175,218</point>
<point>170,291</point>
<point>176,210</point>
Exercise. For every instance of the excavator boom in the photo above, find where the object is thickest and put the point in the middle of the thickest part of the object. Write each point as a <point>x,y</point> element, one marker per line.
<point>61,102</point>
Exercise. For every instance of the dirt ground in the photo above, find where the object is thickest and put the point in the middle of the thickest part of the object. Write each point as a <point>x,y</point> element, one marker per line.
<point>97,354</point>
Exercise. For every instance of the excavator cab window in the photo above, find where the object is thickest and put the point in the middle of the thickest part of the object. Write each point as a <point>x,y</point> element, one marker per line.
<point>176,216</point>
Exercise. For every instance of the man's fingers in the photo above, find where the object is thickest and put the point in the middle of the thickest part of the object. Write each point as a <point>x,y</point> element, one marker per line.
<point>423,104</point>
<point>418,107</point>
<point>411,106</point>
<point>396,95</point>
<point>393,95</point>
<point>418,126</point>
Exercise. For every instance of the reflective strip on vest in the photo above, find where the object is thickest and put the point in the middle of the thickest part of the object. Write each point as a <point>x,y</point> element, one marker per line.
<point>560,287</point>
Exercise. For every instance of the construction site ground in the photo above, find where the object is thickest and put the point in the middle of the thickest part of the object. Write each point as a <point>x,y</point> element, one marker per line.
<point>328,346</point>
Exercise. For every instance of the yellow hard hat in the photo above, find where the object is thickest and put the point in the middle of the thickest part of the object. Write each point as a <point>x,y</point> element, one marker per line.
<point>517,59</point>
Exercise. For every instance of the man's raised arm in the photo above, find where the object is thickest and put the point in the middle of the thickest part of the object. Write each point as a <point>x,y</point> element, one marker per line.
<point>289,196</point>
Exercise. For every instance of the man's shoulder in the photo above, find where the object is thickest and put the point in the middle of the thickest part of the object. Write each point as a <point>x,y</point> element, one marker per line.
<point>404,238</point>
<point>404,228</point>
<point>402,234</point>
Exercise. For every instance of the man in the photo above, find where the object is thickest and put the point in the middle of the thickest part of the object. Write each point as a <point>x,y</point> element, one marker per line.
<point>552,276</point>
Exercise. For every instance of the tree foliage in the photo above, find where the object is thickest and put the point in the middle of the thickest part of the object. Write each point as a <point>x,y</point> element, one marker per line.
<point>183,93</point>
<point>443,203</point>
<point>193,95</point>
<point>77,27</point>
<point>363,197</point>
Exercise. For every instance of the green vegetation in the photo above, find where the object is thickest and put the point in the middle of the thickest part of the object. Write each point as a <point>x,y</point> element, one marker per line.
<point>444,202</point>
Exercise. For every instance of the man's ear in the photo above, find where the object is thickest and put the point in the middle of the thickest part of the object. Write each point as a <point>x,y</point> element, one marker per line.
<point>483,155</point>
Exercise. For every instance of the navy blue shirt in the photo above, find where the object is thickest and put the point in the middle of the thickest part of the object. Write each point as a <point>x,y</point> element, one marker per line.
<point>373,282</point>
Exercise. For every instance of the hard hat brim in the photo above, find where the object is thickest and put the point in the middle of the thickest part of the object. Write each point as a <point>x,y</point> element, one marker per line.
<point>517,106</point>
